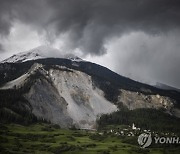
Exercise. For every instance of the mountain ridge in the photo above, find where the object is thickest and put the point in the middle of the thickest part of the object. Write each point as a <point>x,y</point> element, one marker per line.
<point>41,52</point>
<point>77,91</point>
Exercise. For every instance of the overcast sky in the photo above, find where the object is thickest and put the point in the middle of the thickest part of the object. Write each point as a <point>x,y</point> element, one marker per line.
<point>135,38</point>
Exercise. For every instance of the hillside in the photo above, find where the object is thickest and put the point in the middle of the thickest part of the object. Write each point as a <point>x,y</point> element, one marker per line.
<point>72,92</point>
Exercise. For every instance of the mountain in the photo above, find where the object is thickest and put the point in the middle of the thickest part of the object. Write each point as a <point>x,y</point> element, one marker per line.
<point>166,87</point>
<point>71,92</point>
<point>40,52</point>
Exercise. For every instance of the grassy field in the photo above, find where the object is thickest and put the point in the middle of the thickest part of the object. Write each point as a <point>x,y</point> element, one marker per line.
<point>47,139</point>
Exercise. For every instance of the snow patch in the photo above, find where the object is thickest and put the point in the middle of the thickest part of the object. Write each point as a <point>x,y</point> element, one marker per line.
<point>41,52</point>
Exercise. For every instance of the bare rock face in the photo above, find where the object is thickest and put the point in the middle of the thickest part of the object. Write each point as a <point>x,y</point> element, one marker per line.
<point>47,104</point>
<point>134,100</point>
<point>67,98</point>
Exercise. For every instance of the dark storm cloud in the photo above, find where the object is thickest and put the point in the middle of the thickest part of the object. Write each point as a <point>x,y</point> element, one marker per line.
<point>5,17</point>
<point>90,23</point>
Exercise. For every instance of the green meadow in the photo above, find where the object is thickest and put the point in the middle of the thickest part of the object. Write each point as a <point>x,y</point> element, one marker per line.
<point>48,139</point>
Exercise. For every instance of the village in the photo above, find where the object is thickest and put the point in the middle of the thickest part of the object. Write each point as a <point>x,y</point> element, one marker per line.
<point>130,131</point>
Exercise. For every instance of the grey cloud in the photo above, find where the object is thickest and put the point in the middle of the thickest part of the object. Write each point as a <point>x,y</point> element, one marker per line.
<point>117,16</point>
<point>1,48</point>
<point>149,59</point>
<point>5,16</point>
<point>90,23</point>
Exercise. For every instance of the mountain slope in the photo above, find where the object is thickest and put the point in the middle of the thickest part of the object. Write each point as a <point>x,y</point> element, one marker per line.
<point>71,92</point>
<point>166,87</point>
<point>57,96</point>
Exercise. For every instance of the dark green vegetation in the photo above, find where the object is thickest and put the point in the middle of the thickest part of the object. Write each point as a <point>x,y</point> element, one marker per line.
<point>155,120</point>
<point>15,108</point>
<point>13,105</point>
<point>45,138</point>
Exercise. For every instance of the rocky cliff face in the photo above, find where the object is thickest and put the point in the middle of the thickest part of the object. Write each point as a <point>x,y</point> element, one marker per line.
<point>64,96</point>
<point>134,100</point>
<point>67,96</point>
